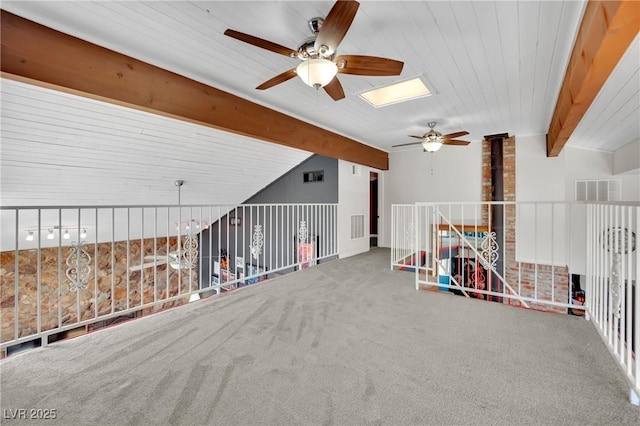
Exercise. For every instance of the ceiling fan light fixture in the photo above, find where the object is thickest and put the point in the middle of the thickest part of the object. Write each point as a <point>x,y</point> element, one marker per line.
<point>431,146</point>
<point>317,72</point>
<point>433,140</point>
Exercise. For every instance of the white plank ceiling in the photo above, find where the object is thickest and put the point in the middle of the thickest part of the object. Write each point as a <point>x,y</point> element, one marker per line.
<point>494,66</point>
<point>85,152</point>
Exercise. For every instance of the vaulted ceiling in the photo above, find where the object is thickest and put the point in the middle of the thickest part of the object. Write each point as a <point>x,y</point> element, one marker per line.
<point>493,67</point>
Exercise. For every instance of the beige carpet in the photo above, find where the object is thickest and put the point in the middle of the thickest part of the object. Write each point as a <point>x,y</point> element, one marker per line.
<point>346,342</point>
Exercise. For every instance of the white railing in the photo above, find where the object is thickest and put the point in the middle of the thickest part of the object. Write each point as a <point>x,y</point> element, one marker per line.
<point>613,282</point>
<point>530,254</point>
<point>475,272</point>
<point>403,246</point>
<point>518,253</point>
<point>64,268</point>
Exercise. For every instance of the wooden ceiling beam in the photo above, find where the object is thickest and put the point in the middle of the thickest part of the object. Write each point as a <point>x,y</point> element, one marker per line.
<point>607,29</point>
<point>40,55</point>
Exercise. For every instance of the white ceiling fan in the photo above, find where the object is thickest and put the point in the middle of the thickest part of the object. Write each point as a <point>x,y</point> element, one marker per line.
<point>186,257</point>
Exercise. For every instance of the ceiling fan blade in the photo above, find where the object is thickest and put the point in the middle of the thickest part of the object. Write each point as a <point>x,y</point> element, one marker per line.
<point>264,44</point>
<point>145,265</point>
<point>417,137</point>
<point>455,135</point>
<point>136,268</point>
<point>159,257</point>
<point>280,78</point>
<point>336,25</point>
<point>456,142</point>
<point>406,144</point>
<point>334,89</point>
<point>368,65</point>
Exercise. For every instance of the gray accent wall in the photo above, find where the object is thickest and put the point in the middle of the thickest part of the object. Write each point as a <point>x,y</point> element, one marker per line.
<point>290,188</point>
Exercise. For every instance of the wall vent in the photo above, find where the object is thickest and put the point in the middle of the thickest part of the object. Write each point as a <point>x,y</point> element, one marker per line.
<point>598,190</point>
<point>357,226</point>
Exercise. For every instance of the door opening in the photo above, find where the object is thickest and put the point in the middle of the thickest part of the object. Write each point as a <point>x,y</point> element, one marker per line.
<point>373,209</point>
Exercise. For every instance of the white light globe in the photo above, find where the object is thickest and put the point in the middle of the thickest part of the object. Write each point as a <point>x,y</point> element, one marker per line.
<point>317,72</point>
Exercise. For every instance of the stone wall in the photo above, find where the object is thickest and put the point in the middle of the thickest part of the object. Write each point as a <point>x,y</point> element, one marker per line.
<point>111,287</point>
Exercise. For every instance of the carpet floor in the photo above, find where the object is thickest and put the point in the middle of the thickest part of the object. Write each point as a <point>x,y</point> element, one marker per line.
<point>348,342</point>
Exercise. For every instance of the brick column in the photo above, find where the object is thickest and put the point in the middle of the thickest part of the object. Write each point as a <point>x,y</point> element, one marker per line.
<point>520,276</point>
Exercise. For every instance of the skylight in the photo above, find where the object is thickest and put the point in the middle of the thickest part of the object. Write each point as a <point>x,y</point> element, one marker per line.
<point>397,92</point>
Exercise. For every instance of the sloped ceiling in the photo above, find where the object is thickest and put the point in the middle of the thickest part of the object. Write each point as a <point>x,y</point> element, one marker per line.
<point>63,149</point>
<point>493,67</point>
<point>614,118</point>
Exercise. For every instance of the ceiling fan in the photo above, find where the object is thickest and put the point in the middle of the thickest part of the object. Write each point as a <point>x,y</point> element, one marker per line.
<point>433,141</point>
<point>320,64</point>
<point>186,257</point>
<point>173,259</point>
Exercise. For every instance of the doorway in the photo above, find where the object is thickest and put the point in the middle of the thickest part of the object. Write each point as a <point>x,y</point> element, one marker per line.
<point>373,209</point>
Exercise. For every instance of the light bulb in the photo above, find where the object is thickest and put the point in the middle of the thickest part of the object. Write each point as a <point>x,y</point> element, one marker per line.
<point>83,234</point>
<point>431,146</point>
<point>50,235</point>
<point>317,72</point>
<point>30,236</point>
<point>66,235</point>
<point>433,141</point>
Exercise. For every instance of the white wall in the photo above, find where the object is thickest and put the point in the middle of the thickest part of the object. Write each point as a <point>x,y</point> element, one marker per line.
<point>626,159</point>
<point>353,199</point>
<point>452,174</point>
<point>455,174</point>
<point>539,178</point>
<point>590,164</point>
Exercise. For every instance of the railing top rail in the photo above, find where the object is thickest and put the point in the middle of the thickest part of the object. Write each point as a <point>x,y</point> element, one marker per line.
<point>151,206</point>
<point>463,203</point>
<point>613,203</point>
<point>497,203</point>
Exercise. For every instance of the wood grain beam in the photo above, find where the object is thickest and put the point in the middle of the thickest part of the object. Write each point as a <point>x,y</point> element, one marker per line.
<point>607,29</point>
<point>40,55</point>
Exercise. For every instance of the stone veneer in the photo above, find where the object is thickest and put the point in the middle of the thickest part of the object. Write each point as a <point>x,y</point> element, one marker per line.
<point>106,291</point>
<point>523,273</point>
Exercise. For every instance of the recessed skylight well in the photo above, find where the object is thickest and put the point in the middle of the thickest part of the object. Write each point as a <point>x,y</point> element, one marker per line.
<point>397,92</point>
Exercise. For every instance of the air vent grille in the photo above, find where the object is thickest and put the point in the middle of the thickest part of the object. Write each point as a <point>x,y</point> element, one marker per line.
<point>357,226</point>
<point>598,190</point>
